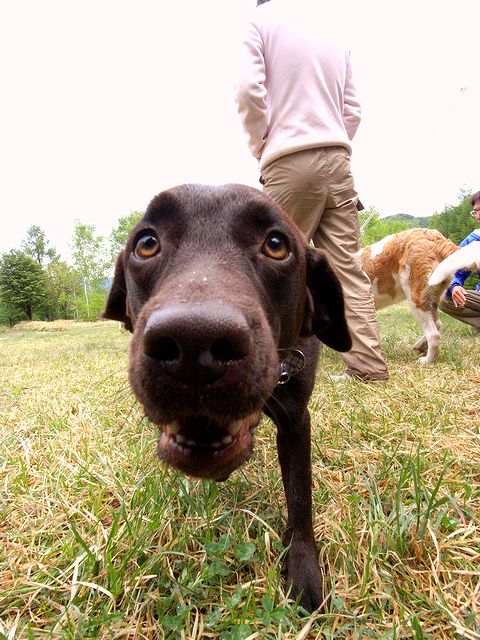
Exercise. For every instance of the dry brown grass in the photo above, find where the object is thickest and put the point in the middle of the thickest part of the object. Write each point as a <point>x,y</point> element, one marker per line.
<point>56,325</point>
<point>98,541</point>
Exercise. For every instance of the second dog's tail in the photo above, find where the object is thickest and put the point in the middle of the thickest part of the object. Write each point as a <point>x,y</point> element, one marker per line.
<point>467,258</point>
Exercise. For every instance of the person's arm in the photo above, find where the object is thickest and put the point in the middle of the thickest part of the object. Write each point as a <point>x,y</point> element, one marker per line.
<point>351,105</point>
<point>459,278</point>
<point>456,290</point>
<point>251,92</point>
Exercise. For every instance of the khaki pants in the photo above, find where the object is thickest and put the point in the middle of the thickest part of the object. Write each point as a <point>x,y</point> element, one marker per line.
<point>315,187</point>
<point>470,313</point>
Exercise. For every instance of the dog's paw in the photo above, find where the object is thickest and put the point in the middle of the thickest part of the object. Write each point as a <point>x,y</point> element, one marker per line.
<point>305,580</point>
<point>425,360</point>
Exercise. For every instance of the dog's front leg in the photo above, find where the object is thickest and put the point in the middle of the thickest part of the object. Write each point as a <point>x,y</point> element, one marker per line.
<point>301,564</point>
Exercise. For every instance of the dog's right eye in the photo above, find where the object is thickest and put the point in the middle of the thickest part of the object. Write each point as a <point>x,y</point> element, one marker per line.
<point>147,246</point>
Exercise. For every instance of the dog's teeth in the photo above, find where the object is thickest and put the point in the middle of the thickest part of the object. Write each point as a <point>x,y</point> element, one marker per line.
<point>179,440</point>
<point>234,427</point>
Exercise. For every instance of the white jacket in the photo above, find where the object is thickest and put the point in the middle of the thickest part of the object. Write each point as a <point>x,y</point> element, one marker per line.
<point>296,89</point>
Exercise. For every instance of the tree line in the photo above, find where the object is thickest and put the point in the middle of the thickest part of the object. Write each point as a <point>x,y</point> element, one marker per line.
<point>454,222</point>
<point>36,284</point>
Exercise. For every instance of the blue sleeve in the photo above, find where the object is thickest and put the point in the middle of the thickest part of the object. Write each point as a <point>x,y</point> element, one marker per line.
<point>461,275</point>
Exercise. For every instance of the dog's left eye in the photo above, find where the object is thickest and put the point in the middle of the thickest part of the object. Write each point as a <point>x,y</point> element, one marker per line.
<point>276,247</point>
<point>147,246</point>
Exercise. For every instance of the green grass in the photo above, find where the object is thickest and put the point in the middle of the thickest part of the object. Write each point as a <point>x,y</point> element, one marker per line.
<point>98,540</point>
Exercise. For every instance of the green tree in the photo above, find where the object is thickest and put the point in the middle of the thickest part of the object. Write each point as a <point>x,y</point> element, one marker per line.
<point>119,234</point>
<point>377,228</point>
<point>22,285</point>
<point>63,287</point>
<point>5,315</point>
<point>36,246</point>
<point>454,221</point>
<point>91,261</point>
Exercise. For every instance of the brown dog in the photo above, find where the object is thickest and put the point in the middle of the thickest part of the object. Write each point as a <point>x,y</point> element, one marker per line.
<point>220,289</point>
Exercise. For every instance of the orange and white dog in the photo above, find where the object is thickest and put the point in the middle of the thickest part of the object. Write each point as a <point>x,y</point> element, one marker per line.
<point>417,265</point>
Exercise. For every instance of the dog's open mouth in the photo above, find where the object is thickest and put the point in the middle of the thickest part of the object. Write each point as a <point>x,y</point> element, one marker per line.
<point>207,448</point>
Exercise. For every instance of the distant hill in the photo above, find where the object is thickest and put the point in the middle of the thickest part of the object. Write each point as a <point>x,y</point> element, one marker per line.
<point>412,220</point>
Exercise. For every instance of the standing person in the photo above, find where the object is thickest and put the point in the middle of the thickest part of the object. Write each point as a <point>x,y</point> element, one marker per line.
<point>458,302</point>
<point>299,107</point>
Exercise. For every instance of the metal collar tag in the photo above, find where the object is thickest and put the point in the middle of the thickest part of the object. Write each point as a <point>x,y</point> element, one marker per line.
<point>292,362</point>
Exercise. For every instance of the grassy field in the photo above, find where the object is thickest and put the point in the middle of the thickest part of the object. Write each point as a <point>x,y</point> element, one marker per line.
<point>97,540</point>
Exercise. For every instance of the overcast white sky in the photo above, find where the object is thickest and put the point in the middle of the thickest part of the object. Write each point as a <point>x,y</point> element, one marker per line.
<point>104,103</point>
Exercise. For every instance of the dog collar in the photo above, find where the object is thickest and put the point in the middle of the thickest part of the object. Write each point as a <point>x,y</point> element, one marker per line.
<point>292,362</point>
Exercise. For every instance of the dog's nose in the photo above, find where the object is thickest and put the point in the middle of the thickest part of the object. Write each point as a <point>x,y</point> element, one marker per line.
<point>197,343</point>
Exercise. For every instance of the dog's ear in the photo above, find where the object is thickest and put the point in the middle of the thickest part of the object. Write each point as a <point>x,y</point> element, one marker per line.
<point>116,307</point>
<point>324,307</point>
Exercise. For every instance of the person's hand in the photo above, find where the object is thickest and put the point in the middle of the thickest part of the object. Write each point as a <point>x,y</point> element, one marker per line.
<point>458,296</point>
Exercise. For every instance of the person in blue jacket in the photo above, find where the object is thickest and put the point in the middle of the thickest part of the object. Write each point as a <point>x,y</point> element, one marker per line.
<point>458,302</point>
